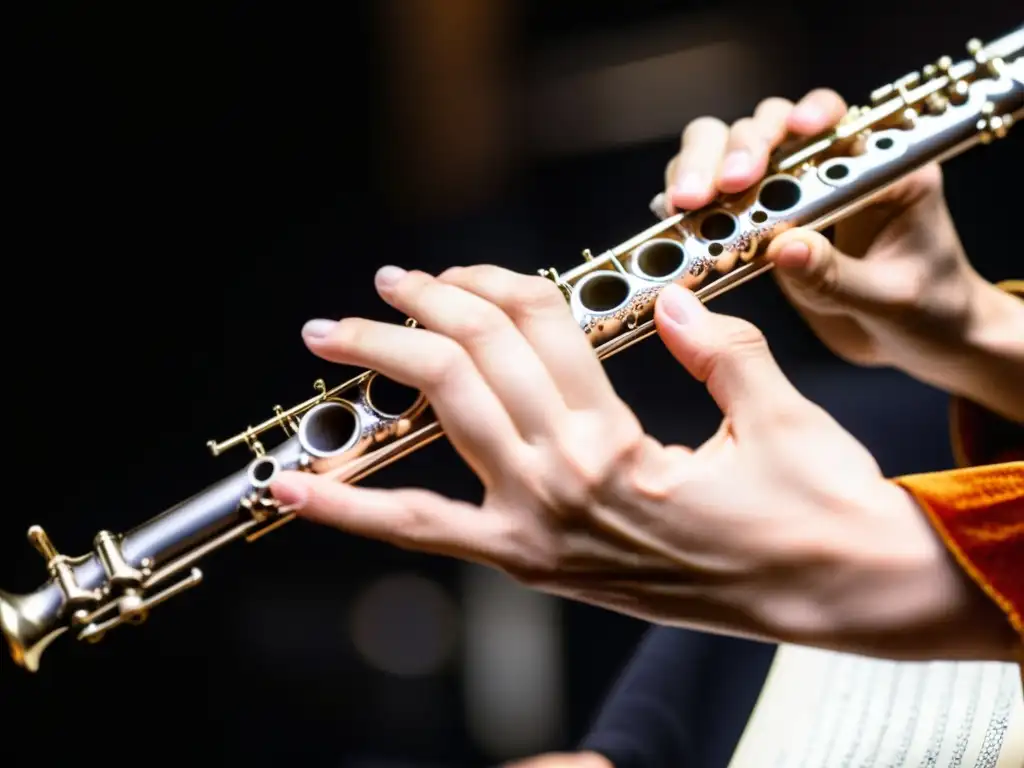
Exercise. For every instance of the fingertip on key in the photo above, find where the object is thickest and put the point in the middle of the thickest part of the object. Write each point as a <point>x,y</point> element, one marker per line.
<point>807,121</point>
<point>692,190</point>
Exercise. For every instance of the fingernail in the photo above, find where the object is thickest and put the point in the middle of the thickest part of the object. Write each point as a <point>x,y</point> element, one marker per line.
<point>794,255</point>
<point>680,305</point>
<point>737,163</point>
<point>388,276</point>
<point>288,492</point>
<point>691,183</point>
<point>318,329</point>
<point>659,206</point>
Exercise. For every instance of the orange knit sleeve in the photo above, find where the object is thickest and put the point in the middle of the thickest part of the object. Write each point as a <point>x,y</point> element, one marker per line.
<point>979,512</point>
<point>978,509</point>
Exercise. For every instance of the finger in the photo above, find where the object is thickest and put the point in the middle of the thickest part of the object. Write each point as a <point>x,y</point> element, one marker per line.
<point>690,177</point>
<point>816,274</point>
<point>472,416</point>
<point>750,145</point>
<point>657,474</point>
<point>541,313</point>
<point>730,355</point>
<point>408,518</point>
<point>818,111</point>
<point>501,353</point>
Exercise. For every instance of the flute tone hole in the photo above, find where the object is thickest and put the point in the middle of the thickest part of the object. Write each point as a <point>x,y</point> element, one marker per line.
<point>718,226</point>
<point>604,292</point>
<point>715,249</point>
<point>657,259</point>
<point>262,471</point>
<point>837,171</point>
<point>389,398</point>
<point>759,217</point>
<point>329,428</point>
<point>885,142</point>
<point>779,194</point>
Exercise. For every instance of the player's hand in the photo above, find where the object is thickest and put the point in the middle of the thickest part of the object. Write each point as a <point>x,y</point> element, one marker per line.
<point>896,287</point>
<point>781,526</point>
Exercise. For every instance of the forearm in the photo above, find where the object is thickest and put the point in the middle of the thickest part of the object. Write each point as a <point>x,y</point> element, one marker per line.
<point>918,586</point>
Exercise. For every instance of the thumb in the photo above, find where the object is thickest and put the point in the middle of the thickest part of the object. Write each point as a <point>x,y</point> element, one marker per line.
<point>816,273</point>
<point>730,355</point>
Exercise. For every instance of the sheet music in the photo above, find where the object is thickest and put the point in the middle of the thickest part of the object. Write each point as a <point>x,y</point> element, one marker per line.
<point>821,709</point>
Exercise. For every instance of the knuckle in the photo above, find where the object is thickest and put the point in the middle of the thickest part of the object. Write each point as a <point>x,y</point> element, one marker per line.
<point>591,451</point>
<point>747,132</point>
<point>350,333</point>
<point>480,327</point>
<point>534,295</point>
<point>490,271</point>
<point>411,287</point>
<point>656,481</point>
<point>742,339</point>
<point>582,479</point>
<point>627,434</point>
<point>824,278</point>
<point>908,283</point>
<point>479,279</point>
<point>451,274</point>
<point>737,341</point>
<point>418,526</point>
<point>412,282</point>
<point>476,274</point>
<point>448,363</point>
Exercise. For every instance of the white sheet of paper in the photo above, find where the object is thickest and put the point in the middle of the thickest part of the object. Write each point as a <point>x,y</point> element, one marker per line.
<point>821,709</point>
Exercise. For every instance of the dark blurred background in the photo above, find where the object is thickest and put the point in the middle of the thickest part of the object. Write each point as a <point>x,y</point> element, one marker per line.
<point>189,184</point>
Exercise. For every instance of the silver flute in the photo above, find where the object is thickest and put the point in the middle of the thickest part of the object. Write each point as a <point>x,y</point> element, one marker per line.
<point>349,431</point>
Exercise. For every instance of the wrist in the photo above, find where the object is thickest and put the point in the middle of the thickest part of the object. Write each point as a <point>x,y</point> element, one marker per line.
<point>893,589</point>
<point>933,604</point>
<point>992,368</point>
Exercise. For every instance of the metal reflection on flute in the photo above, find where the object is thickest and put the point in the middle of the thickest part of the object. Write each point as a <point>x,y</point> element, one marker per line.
<point>350,431</point>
